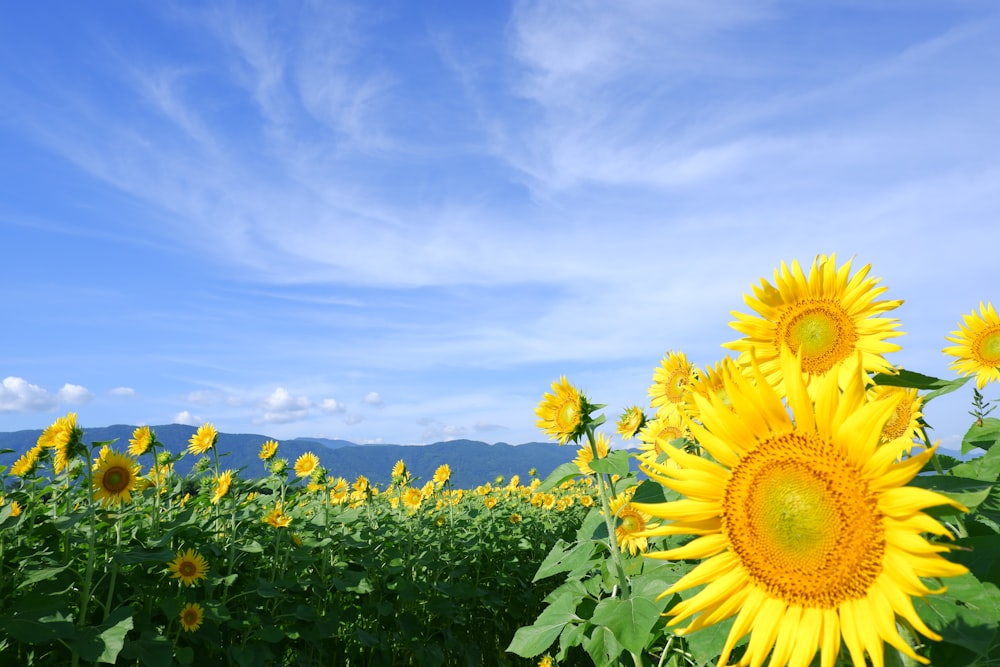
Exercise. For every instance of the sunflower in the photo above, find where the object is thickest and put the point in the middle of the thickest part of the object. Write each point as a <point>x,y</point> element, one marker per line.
<point>192,616</point>
<point>115,477</point>
<point>671,381</point>
<point>141,439</point>
<point>827,318</point>
<point>585,455</point>
<point>306,464</point>
<point>268,450</point>
<point>442,474</point>
<point>203,439</point>
<point>707,382</point>
<point>277,517</point>
<point>630,422</point>
<point>412,498</point>
<point>340,493</point>
<point>631,523</point>
<point>977,345</point>
<point>189,567</point>
<point>27,462</point>
<point>222,484</point>
<point>659,432</point>
<point>807,532</point>
<point>561,413</point>
<point>60,437</point>
<point>905,421</point>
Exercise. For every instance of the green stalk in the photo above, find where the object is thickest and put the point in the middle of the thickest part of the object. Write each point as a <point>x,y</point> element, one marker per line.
<point>88,576</point>
<point>609,520</point>
<point>114,570</point>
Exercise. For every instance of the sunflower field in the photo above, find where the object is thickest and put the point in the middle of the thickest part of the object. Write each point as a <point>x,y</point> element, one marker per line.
<point>109,556</point>
<point>783,506</point>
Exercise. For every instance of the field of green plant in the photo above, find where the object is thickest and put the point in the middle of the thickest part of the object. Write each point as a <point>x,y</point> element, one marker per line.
<point>125,562</point>
<point>784,507</point>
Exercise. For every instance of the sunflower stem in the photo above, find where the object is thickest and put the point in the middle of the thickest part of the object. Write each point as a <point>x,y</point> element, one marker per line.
<point>609,520</point>
<point>114,571</point>
<point>88,576</point>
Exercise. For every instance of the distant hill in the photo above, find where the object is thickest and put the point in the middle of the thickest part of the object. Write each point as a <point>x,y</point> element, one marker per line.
<point>472,462</point>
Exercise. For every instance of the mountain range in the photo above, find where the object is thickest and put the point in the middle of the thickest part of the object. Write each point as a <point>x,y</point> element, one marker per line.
<point>472,462</point>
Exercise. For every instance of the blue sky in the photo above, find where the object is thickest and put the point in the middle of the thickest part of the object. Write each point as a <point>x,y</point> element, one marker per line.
<point>400,221</point>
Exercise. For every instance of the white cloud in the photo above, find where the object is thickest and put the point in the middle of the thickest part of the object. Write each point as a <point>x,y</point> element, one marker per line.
<point>18,395</point>
<point>74,393</point>
<point>353,419</point>
<point>281,407</point>
<point>185,417</point>
<point>372,398</point>
<point>332,406</point>
<point>122,392</point>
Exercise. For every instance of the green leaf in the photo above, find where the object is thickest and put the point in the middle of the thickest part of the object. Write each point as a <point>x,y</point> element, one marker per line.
<point>985,468</point>
<point>141,555</point>
<point>966,615</point>
<point>602,646</point>
<point>982,437</point>
<point>104,643</point>
<point>564,557</point>
<point>562,473</point>
<point>629,620</point>
<point>969,492</point>
<point>910,379</point>
<point>649,492</point>
<point>38,630</point>
<point>150,650</point>
<point>537,637</point>
<point>706,644</point>
<point>41,574</point>
<point>252,547</point>
<point>615,463</point>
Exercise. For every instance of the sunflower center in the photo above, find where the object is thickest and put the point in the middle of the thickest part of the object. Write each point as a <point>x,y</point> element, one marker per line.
<point>899,421</point>
<point>116,479</point>
<point>631,522</point>
<point>987,347</point>
<point>187,568</point>
<point>821,331</point>
<point>675,385</point>
<point>568,415</point>
<point>803,522</point>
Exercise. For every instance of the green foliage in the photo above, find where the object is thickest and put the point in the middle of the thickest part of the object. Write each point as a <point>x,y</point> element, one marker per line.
<point>405,574</point>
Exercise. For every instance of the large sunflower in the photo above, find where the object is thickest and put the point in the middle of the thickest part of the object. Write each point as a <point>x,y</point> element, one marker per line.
<point>826,318</point>
<point>977,346</point>
<point>807,531</point>
<point>115,477</point>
